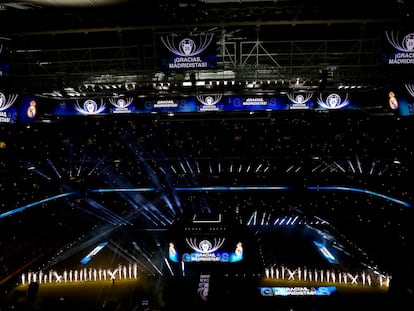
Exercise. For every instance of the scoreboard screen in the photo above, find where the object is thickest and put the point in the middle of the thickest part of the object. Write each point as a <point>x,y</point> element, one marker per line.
<point>205,239</point>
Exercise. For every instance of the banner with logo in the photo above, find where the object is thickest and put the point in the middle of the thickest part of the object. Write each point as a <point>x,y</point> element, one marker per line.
<point>206,249</point>
<point>401,100</point>
<point>8,107</point>
<point>398,48</point>
<point>214,102</point>
<point>193,52</point>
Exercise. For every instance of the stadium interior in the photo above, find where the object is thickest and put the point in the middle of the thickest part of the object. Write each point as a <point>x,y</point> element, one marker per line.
<point>264,206</point>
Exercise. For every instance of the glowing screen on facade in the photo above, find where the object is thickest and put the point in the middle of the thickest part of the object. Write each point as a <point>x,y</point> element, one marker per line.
<point>297,291</point>
<point>398,48</point>
<point>189,52</point>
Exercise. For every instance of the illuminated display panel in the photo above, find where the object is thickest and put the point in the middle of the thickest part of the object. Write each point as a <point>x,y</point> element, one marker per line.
<point>192,52</point>
<point>206,240</point>
<point>206,250</point>
<point>398,48</point>
<point>209,103</point>
<point>297,291</point>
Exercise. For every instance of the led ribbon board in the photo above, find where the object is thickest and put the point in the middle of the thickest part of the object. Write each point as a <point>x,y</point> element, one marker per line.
<point>296,291</point>
<point>398,48</point>
<point>190,52</point>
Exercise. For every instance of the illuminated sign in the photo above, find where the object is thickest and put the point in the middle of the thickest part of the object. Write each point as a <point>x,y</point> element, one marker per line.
<point>7,117</point>
<point>206,250</point>
<point>191,52</point>
<point>296,291</point>
<point>403,104</point>
<point>402,52</point>
<point>209,102</point>
<point>165,103</point>
<point>8,114</point>
<point>90,106</point>
<point>27,109</point>
<point>31,110</point>
<point>213,102</point>
<point>300,100</point>
<point>254,101</point>
<point>333,101</point>
<point>121,105</point>
<point>392,100</point>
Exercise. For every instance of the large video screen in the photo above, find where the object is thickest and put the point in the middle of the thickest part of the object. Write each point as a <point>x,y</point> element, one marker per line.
<point>206,239</point>
<point>206,249</point>
<point>192,52</point>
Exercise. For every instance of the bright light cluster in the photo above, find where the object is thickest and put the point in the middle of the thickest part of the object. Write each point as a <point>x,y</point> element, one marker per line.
<point>81,275</point>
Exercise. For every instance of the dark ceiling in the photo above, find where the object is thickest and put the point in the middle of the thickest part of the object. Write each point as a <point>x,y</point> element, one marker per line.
<point>52,46</point>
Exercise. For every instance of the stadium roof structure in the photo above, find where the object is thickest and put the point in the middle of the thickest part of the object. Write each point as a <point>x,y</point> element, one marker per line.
<point>73,45</point>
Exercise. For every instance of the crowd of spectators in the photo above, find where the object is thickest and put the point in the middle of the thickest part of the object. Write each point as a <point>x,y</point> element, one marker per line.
<point>296,149</point>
